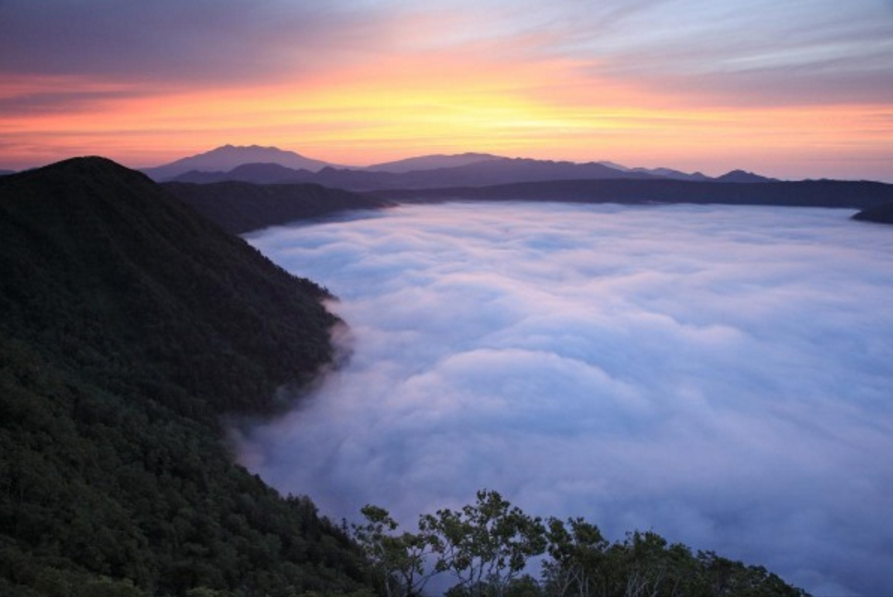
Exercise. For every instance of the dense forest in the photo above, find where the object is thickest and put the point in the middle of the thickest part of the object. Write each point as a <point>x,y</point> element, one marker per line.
<point>130,329</point>
<point>128,326</point>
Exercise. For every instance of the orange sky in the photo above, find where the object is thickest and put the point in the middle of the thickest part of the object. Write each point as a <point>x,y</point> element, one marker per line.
<point>364,83</point>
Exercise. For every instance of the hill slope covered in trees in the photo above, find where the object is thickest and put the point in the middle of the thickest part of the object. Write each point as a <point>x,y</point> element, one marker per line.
<point>128,325</point>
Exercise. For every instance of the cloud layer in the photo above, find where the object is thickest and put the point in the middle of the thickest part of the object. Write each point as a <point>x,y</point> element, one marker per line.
<point>718,374</point>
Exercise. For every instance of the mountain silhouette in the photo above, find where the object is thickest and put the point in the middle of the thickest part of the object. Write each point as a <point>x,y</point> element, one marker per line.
<point>674,174</point>
<point>227,157</point>
<point>478,173</point>
<point>268,166</point>
<point>742,176</point>
<point>432,162</point>
<point>807,193</point>
<point>254,173</point>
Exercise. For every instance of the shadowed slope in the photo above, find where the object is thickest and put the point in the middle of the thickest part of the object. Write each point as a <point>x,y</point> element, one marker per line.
<point>128,324</point>
<point>241,207</point>
<point>87,237</point>
<point>881,214</point>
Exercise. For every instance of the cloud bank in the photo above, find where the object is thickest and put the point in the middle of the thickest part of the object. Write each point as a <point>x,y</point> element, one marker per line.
<point>718,374</point>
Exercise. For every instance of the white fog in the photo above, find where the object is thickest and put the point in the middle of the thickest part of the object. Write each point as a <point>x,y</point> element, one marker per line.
<point>721,375</point>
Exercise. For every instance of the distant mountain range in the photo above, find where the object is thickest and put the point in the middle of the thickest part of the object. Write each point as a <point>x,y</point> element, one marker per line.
<point>228,157</point>
<point>267,165</point>
<point>660,172</point>
<point>804,193</point>
<point>432,162</point>
<point>252,195</point>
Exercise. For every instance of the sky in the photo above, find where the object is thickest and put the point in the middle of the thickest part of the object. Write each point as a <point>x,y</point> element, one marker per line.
<point>717,374</point>
<point>794,89</point>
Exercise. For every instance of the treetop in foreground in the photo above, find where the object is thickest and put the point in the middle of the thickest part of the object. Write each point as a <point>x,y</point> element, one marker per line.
<point>486,548</point>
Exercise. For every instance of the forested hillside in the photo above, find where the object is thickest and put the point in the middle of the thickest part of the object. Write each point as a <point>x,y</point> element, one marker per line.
<point>128,325</point>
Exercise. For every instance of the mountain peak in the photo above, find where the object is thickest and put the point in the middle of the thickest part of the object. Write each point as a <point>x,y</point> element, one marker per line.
<point>226,157</point>
<point>86,170</point>
<point>435,161</point>
<point>743,176</point>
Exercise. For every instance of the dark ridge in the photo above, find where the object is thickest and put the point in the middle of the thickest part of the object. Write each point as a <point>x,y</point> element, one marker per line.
<point>481,173</point>
<point>128,325</point>
<point>240,207</point>
<point>430,162</point>
<point>228,157</point>
<point>821,193</point>
<point>253,173</point>
<point>881,214</point>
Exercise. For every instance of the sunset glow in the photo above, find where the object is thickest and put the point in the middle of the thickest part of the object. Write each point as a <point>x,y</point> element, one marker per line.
<point>797,91</point>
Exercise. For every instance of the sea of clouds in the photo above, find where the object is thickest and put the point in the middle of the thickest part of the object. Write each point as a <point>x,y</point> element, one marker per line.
<point>721,375</point>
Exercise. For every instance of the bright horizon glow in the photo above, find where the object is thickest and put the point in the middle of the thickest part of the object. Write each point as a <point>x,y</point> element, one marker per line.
<point>790,90</point>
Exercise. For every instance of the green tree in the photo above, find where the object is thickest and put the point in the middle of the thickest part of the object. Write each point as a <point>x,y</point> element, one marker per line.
<point>397,559</point>
<point>486,546</point>
<point>645,566</point>
<point>577,552</point>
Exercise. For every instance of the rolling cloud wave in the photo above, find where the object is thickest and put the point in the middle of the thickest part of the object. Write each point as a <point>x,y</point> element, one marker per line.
<point>718,374</point>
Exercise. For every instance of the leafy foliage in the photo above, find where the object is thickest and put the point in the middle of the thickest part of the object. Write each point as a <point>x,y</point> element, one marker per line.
<point>397,560</point>
<point>486,547</point>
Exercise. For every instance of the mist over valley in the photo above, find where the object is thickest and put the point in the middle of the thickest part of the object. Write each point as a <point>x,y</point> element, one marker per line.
<point>716,373</point>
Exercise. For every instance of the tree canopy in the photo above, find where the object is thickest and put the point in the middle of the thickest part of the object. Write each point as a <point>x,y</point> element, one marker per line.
<point>486,547</point>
